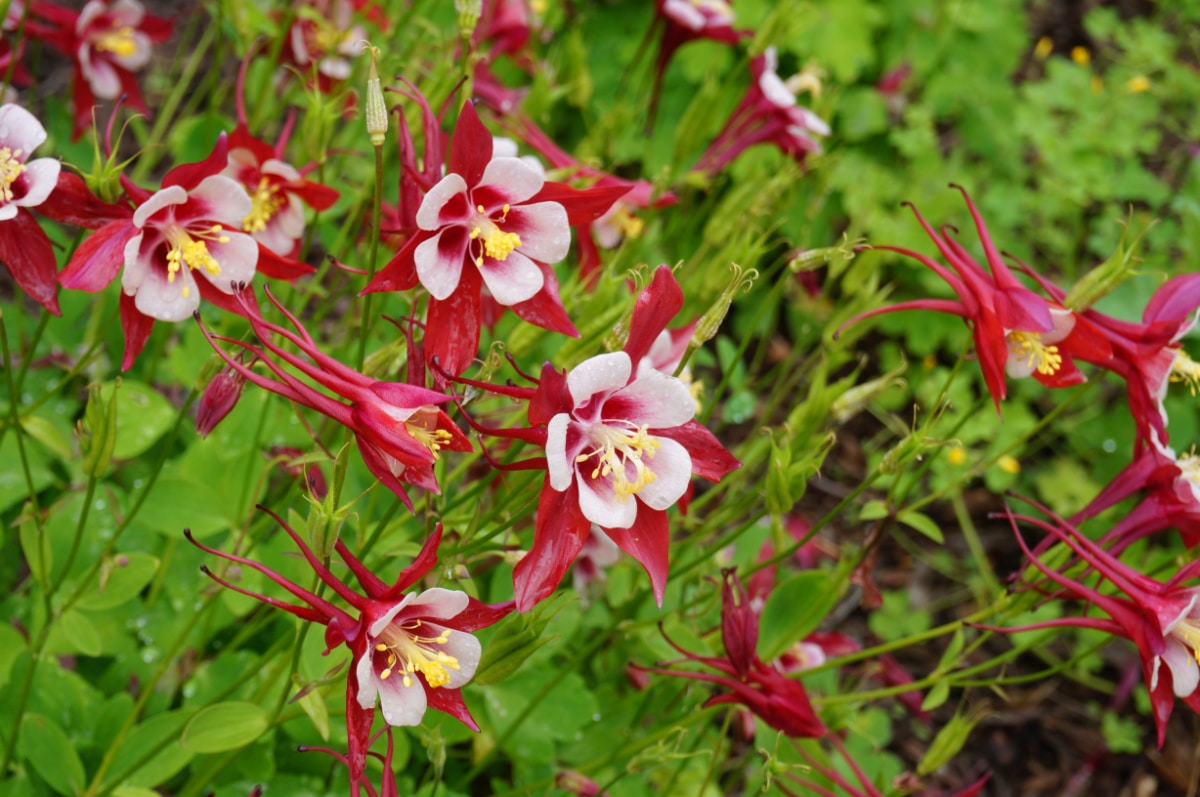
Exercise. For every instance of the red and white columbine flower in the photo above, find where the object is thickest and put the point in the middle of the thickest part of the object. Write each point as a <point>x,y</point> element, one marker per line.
<point>491,223</point>
<point>24,184</point>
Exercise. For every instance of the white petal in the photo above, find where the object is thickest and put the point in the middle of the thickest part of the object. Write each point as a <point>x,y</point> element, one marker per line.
<point>544,229</point>
<point>512,178</point>
<point>99,72</point>
<point>140,55</point>
<point>171,195</point>
<point>602,507</point>
<point>672,464</point>
<point>20,130</point>
<point>1064,324</point>
<point>8,211</point>
<point>440,603</point>
<point>1185,673</point>
<point>220,199</point>
<point>429,215</point>
<point>654,399</point>
<point>439,272</point>
<point>402,705</point>
<point>775,91</point>
<point>43,177</point>
<point>513,279</point>
<point>167,301</point>
<point>464,647</point>
<point>368,681</point>
<point>603,373</point>
<point>561,471</point>
<point>386,618</point>
<point>237,260</point>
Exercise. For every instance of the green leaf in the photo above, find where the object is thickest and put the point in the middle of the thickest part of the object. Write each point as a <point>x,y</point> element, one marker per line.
<point>176,504</point>
<point>143,416</point>
<point>73,632</point>
<point>48,435</point>
<point>224,726</point>
<point>937,695</point>
<point>52,754</point>
<point>121,579</point>
<point>796,607</point>
<point>950,655</point>
<point>144,739</point>
<point>946,744</point>
<point>923,524</point>
<point>873,510</point>
<point>35,544</point>
<point>313,703</point>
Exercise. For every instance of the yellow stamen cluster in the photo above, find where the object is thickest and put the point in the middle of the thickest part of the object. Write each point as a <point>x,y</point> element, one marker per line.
<point>118,41</point>
<point>193,252</point>
<point>497,244</point>
<point>1028,346</point>
<point>433,439</point>
<point>1188,633</point>
<point>409,653</point>
<point>1186,370</point>
<point>11,168</point>
<point>265,202</point>
<point>615,450</point>
<point>1189,466</point>
<point>626,223</point>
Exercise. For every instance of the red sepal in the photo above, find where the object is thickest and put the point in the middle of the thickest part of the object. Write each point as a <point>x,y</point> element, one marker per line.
<point>72,202</point>
<point>648,540</point>
<point>27,252</point>
<point>470,147</point>
<point>136,327</point>
<point>99,258</point>
<point>652,311</point>
<point>560,533</point>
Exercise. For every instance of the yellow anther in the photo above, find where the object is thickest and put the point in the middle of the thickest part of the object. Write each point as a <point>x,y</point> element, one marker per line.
<point>1009,464</point>
<point>616,449</point>
<point>1028,346</point>
<point>193,251</point>
<point>265,203</point>
<point>957,455</point>
<point>118,41</point>
<point>480,209</point>
<point>1186,370</point>
<point>11,168</point>
<point>498,245</point>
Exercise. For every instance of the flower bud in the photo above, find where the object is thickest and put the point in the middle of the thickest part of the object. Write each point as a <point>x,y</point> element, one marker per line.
<point>1104,278</point>
<point>97,430</point>
<point>219,398</point>
<point>376,111</point>
<point>810,259</point>
<point>468,12</point>
<point>710,322</point>
<point>856,399</point>
<point>577,783</point>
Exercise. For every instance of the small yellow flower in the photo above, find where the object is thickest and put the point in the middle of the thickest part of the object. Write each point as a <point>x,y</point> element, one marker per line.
<point>1009,464</point>
<point>1043,48</point>
<point>957,455</point>
<point>1080,55</point>
<point>1137,84</point>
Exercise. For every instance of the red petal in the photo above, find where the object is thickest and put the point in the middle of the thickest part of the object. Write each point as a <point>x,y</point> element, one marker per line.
<point>546,309</point>
<point>99,258</point>
<point>189,175</point>
<point>551,398</point>
<point>655,307</point>
<point>648,540</point>
<point>27,252</point>
<point>136,328</point>
<point>400,274</point>
<point>471,146</point>
<point>71,202</point>
<point>582,206</point>
<point>276,266</point>
<point>710,460</point>
<point>450,701</point>
<point>559,536</point>
<point>452,326</point>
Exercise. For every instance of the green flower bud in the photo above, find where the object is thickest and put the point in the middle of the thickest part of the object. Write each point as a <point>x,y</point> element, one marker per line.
<point>97,430</point>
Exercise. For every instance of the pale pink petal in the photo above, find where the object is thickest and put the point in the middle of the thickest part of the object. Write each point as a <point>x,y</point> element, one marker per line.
<point>654,399</point>
<point>100,74</point>
<point>513,279</point>
<point>376,628</point>
<point>1019,363</point>
<point>219,199</point>
<point>171,195</point>
<point>601,506</point>
<point>460,645</point>
<point>1185,673</point>
<point>402,705</point>
<point>279,169</point>
<point>8,210</point>
<point>561,471</point>
<point>439,603</point>
<point>237,260</point>
<point>128,12</point>
<point>1064,324</point>
<point>439,269</point>
<point>600,374</point>
<point>512,179</point>
<point>137,266</point>
<point>682,12</point>
<point>88,14</point>
<point>672,465</point>
<point>544,230</point>
<point>165,300</point>
<point>140,55</point>
<point>775,91</point>
<point>42,175</point>
<point>20,130</point>
<point>429,215</point>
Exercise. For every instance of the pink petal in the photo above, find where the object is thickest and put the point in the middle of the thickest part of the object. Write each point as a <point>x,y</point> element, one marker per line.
<point>172,195</point>
<point>236,258</point>
<point>42,175</point>
<point>512,179</point>
<point>600,374</point>
<point>544,230</point>
<point>166,301</point>
<point>402,705</point>
<point>511,280</point>
<point>439,603</point>
<point>439,262</point>
<point>434,212</point>
<point>1185,673</point>
<point>600,504</point>
<point>220,199</point>
<point>101,75</point>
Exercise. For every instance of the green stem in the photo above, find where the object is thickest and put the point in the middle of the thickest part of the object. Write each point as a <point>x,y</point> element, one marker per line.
<point>376,216</point>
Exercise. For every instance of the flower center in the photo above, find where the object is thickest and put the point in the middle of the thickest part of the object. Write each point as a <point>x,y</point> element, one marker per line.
<point>11,168</point>
<point>1028,346</point>
<point>1189,467</point>
<point>422,425</point>
<point>497,244</point>
<point>616,449</point>
<point>118,41</point>
<point>409,653</point>
<point>193,252</point>
<point>1183,369</point>
<point>1187,632</point>
<point>626,223</point>
<point>265,202</point>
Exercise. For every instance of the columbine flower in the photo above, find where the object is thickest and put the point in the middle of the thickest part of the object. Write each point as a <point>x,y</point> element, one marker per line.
<point>768,114</point>
<point>109,42</point>
<point>324,37</point>
<point>777,700</point>
<point>24,184</point>
<point>621,447</point>
<point>494,223</point>
<point>1162,619</point>
<point>277,191</point>
<point>684,21</point>
<point>400,428</point>
<point>1016,331</point>
<point>411,651</point>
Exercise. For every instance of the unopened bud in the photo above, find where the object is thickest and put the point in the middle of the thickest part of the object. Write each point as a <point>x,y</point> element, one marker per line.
<point>856,399</point>
<point>376,112</point>
<point>218,399</point>
<point>577,783</point>
<point>97,430</point>
<point>468,12</point>
<point>810,259</point>
<point>710,322</point>
<point>1104,278</point>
